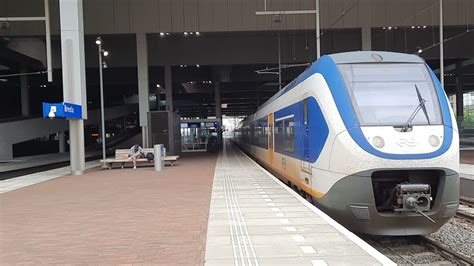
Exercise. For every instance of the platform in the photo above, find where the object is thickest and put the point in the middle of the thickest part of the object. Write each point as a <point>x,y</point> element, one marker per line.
<point>110,217</point>
<point>255,219</point>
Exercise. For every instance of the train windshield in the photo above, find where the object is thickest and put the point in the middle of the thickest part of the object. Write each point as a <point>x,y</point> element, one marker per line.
<point>389,94</point>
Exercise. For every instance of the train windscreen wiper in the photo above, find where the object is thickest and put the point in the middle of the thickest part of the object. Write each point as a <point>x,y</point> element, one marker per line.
<point>421,106</point>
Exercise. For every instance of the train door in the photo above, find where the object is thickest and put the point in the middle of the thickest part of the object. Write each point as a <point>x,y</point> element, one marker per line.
<point>271,153</point>
<point>305,165</point>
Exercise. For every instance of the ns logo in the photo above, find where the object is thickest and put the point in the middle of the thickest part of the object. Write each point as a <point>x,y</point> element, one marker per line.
<point>411,142</point>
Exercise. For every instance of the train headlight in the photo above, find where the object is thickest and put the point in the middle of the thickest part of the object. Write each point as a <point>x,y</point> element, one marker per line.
<point>378,142</point>
<point>434,141</point>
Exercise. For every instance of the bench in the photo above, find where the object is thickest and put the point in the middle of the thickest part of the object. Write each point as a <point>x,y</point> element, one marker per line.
<point>121,156</point>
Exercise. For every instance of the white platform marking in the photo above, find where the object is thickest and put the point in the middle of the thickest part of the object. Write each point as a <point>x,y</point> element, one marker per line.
<point>319,263</point>
<point>308,249</point>
<point>298,238</point>
<point>290,229</point>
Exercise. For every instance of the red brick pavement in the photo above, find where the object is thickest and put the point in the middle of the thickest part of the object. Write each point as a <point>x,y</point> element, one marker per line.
<point>111,217</point>
<point>467,156</point>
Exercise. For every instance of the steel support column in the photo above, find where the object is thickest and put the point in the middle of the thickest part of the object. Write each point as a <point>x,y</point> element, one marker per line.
<point>62,142</point>
<point>169,108</point>
<point>25,93</point>
<point>217,94</point>
<point>74,76</point>
<point>366,39</point>
<point>143,85</point>
<point>459,98</point>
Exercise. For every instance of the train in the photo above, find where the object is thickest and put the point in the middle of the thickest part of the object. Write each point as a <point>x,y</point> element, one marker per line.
<point>369,137</point>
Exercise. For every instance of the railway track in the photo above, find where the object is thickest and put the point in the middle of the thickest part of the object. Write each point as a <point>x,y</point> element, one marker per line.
<point>466,209</point>
<point>412,250</point>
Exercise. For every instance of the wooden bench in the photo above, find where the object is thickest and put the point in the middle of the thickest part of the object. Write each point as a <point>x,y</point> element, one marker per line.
<point>121,156</point>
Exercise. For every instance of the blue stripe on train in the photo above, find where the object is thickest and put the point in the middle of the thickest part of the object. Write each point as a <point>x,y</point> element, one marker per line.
<point>328,68</point>
<point>317,130</point>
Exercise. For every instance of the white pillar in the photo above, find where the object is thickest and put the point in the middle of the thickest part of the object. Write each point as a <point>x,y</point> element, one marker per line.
<point>62,142</point>
<point>169,108</point>
<point>366,39</point>
<point>25,93</point>
<point>143,86</point>
<point>74,77</point>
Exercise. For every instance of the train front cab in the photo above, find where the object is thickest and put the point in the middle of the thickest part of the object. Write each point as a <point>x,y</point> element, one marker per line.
<point>400,180</point>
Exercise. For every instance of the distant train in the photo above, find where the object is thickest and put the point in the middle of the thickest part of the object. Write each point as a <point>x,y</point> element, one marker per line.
<point>369,137</point>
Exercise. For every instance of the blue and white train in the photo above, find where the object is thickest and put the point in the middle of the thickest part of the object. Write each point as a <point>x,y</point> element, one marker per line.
<point>369,137</point>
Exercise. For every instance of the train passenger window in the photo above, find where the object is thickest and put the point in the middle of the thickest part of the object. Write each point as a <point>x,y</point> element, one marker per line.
<point>278,135</point>
<point>263,139</point>
<point>270,136</point>
<point>259,133</point>
<point>290,135</point>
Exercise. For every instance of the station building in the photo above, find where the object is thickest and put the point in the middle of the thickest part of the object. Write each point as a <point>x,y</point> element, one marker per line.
<point>184,73</point>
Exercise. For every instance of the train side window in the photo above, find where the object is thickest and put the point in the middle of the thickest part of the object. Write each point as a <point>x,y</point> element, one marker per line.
<point>270,135</point>
<point>264,133</point>
<point>252,133</point>
<point>279,135</point>
<point>290,135</point>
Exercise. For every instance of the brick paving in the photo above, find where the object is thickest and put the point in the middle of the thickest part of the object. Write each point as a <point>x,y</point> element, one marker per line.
<point>111,217</point>
<point>467,156</point>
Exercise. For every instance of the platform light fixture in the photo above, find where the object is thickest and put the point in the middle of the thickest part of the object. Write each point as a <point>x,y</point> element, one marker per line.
<point>185,33</point>
<point>413,27</point>
<point>162,34</point>
<point>158,85</point>
<point>197,33</point>
<point>167,33</point>
<point>197,65</point>
<point>101,52</point>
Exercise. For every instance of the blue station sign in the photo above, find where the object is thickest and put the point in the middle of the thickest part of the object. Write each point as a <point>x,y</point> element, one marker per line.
<point>62,110</point>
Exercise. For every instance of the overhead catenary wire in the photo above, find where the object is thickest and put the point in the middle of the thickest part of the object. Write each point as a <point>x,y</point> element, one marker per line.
<point>343,14</point>
<point>24,74</point>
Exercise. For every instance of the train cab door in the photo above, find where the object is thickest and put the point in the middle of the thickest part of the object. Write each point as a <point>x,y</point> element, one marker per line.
<point>305,164</point>
<point>271,152</point>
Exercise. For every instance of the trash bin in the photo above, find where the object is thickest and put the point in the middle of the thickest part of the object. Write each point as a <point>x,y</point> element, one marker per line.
<point>158,150</point>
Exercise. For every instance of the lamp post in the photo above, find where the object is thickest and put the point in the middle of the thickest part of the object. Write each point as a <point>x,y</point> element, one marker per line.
<point>98,41</point>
